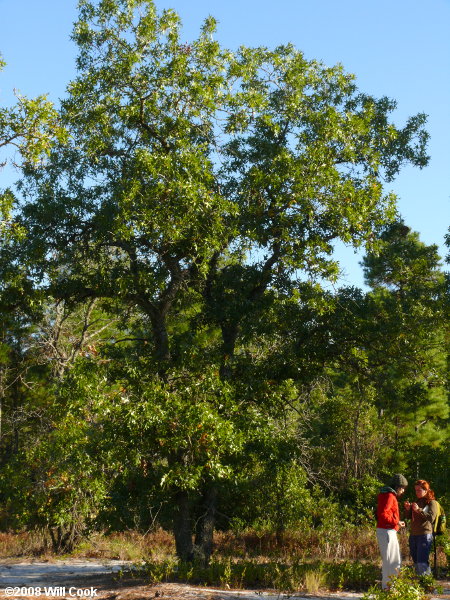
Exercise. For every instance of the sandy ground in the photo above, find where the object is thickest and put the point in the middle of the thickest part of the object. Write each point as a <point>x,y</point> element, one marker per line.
<point>99,579</point>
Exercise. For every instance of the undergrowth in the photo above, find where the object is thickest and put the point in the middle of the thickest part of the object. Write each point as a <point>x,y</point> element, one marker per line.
<point>281,576</point>
<point>347,544</point>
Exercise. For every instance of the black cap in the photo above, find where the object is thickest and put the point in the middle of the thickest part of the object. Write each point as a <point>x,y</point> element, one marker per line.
<point>398,480</point>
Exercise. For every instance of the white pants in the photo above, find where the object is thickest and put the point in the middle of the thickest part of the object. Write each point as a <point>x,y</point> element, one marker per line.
<point>390,554</point>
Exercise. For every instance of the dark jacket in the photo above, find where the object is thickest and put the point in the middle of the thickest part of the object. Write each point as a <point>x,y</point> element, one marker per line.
<point>422,521</point>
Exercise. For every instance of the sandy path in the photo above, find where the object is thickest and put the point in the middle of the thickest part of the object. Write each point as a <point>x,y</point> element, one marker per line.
<point>36,573</point>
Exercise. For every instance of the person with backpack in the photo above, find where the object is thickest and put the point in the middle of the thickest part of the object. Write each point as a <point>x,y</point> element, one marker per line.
<point>388,523</point>
<point>423,514</point>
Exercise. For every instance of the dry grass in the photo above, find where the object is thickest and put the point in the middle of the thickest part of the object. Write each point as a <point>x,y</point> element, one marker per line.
<point>159,545</point>
<point>314,581</point>
<point>31,543</point>
<point>131,545</point>
<point>350,544</point>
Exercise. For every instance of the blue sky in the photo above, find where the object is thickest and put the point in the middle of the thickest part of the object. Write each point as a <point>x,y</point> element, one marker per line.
<point>400,49</point>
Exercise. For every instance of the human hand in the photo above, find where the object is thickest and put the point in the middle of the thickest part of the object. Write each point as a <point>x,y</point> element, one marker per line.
<point>407,505</point>
<point>402,524</point>
<point>415,507</point>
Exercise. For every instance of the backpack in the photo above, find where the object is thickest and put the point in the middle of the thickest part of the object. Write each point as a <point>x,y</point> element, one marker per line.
<point>439,525</point>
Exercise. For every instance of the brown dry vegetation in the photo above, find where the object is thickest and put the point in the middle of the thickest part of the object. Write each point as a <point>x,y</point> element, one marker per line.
<point>354,543</point>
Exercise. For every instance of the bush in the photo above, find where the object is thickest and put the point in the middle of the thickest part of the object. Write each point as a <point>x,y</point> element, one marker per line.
<point>404,587</point>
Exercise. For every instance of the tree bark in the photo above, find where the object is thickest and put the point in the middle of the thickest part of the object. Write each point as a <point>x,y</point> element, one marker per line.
<point>205,525</point>
<point>229,336</point>
<point>162,348</point>
<point>182,528</point>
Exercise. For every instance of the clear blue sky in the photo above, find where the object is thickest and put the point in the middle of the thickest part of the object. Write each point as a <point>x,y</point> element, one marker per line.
<point>398,48</point>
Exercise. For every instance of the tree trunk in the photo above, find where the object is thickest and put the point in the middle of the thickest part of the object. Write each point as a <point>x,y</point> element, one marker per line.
<point>182,527</point>
<point>280,494</point>
<point>229,336</point>
<point>162,348</point>
<point>204,529</point>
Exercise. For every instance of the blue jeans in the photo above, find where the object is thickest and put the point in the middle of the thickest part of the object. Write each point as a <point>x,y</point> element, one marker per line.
<point>419,547</point>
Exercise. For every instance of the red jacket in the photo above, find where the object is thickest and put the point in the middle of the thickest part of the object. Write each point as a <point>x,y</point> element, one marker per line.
<point>388,514</point>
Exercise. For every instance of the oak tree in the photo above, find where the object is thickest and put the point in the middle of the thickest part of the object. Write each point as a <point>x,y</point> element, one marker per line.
<point>202,178</point>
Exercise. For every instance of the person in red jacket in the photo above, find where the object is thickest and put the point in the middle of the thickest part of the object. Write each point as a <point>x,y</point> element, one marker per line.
<point>388,523</point>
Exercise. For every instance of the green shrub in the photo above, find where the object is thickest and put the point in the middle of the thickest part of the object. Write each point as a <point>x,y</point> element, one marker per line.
<point>404,587</point>
<point>444,543</point>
